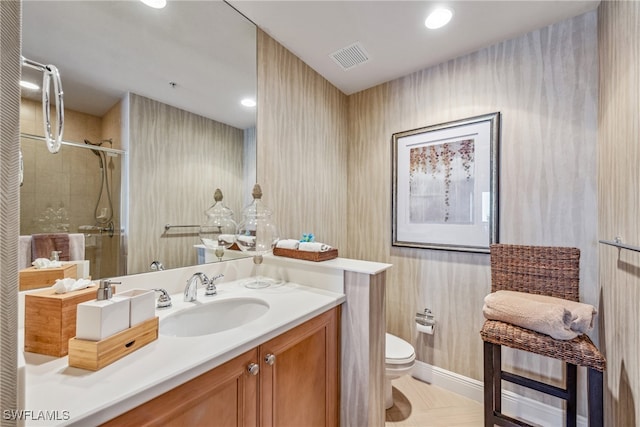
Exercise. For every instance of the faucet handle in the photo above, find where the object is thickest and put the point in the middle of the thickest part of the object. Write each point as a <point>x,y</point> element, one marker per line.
<point>211,286</point>
<point>164,300</point>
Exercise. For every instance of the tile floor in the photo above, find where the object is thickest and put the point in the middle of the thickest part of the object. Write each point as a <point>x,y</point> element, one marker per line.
<point>418,404</point>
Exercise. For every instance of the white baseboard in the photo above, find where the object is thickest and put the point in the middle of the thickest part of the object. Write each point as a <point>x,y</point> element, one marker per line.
<point>512,403</point>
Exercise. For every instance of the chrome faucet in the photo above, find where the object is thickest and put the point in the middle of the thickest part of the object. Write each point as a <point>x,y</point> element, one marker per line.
<point>211,286</point>
<point>190,291</point>
<point>164,300</point>
<point>156,266</point>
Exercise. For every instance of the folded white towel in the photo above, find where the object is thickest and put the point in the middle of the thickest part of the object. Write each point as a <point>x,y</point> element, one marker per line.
<point>550,319</point>
<point>314,247</point>
<point>67,285</point>
<point>248,241</point>
<point>226,239</point>
<point>582,314</point>
<point>46,263</point>
<point>288,244</point>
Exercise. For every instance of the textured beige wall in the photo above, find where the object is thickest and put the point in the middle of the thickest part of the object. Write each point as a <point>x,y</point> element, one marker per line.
<point>177,160</point>
<point>619,206</point>
<point>302,146</point>
<point>545,85</point>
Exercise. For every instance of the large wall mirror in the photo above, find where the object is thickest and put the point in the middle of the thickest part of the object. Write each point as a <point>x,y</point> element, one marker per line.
<point>153,125</point>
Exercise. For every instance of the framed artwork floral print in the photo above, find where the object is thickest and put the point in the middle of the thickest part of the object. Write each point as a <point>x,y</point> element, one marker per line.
<point>445,185</point>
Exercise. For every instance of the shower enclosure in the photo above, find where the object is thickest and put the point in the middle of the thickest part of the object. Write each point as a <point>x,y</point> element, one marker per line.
<point>76,190</point>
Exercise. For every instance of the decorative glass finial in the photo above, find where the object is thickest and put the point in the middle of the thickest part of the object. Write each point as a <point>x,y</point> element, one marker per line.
<point>218,233</point>
<point>257,235</point>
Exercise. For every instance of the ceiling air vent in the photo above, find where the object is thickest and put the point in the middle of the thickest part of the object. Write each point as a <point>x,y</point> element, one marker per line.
<point>350,56</point>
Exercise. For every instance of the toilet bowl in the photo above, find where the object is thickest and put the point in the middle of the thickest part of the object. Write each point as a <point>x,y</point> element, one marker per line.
<point>399,360</point>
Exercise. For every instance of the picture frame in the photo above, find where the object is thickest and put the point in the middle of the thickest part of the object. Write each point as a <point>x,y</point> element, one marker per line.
<point>445,185</point>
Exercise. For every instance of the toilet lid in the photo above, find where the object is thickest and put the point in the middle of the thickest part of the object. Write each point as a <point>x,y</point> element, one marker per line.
<point>398,350</point>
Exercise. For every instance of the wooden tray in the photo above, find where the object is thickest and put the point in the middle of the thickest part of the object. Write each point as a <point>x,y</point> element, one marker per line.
<point>306,255</point>
<point>94,355</point>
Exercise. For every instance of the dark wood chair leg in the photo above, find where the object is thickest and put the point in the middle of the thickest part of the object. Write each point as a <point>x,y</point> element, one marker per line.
<point>572,395</point>
<point>594,386</point>
<point>488,384</point>
<point>492,382</point>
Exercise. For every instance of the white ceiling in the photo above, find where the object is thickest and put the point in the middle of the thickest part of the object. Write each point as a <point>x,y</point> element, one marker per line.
<point>106,48</point>
<point>393,32</point>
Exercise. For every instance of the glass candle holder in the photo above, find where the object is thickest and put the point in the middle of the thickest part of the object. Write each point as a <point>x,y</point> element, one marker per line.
<point>218,232</point>
<point>257,235</point>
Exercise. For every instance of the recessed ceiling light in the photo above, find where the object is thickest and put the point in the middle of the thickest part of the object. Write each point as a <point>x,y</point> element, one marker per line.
<point>156,4</point>
<point>29,85</point>
<point>247,102</point>
<point>438,18</point>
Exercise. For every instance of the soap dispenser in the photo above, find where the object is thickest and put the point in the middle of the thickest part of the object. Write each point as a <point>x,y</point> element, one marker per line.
<point>104,290</point>
<point>99,319</point>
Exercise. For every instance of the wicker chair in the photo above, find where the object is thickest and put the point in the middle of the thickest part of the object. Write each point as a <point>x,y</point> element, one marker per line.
<point>552,271</point>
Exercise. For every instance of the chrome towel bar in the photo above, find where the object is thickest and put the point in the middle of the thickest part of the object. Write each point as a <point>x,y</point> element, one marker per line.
<point>617,242</point>
<point>168,227</point>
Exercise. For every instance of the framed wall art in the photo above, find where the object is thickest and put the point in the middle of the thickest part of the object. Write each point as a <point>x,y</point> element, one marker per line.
<point>445,185</point>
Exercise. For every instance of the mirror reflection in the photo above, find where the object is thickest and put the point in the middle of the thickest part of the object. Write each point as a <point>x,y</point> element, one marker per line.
<point>153,125</point>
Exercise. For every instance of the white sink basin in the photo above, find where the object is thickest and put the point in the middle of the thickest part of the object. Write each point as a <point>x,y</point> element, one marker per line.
<point>212,317</point>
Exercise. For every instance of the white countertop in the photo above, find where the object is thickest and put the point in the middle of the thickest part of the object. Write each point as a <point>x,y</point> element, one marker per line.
<point>90,398</point>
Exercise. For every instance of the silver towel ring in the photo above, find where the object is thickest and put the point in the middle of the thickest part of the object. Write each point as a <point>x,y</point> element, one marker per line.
<point>51,73</point>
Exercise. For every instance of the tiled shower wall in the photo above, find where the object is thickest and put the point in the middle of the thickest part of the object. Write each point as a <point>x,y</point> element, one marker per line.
<point>68,183</point>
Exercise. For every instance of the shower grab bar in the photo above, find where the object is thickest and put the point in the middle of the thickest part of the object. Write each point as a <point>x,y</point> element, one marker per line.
<point>168,227</point>
<point>617,242</point>
<point>50,72</point>
<point>76,144</point>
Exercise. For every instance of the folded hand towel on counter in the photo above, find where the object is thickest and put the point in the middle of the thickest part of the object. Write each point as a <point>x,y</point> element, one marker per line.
<point>550,319</point>
<point>288,244</point>
<point>582,314</point>
<point>313,247</point>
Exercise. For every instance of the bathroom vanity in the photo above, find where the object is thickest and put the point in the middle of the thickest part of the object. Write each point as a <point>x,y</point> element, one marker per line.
<point>292,379</point>
<point>309,348</point>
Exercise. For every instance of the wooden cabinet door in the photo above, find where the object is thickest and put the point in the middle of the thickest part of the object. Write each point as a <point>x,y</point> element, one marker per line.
<point>299,375</point>
<point>223,397</point>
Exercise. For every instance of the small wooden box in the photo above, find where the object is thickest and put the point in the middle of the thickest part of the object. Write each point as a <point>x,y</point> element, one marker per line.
<point>94,355</point>
<point>32,278</point>
<point>50,320</point>
<point>306,255</point>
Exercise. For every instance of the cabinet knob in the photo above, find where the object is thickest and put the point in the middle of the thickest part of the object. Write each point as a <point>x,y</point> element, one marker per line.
<point>270,359</point>
<point>253,368</point>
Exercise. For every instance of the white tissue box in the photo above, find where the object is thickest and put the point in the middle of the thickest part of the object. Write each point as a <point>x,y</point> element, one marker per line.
<point>141,305</point>
<point>82,268</point>
<point>97,320</point>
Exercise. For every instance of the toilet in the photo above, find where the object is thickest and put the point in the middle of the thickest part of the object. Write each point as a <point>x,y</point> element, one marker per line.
<point>399,360</point>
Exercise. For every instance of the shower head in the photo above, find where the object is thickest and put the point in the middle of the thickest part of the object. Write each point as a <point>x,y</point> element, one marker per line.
<point>95,144</point>
<point>96,152</point>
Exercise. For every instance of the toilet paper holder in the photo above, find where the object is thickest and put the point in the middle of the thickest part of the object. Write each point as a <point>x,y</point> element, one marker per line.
<point>425,321</point>
<point>426,318</point>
